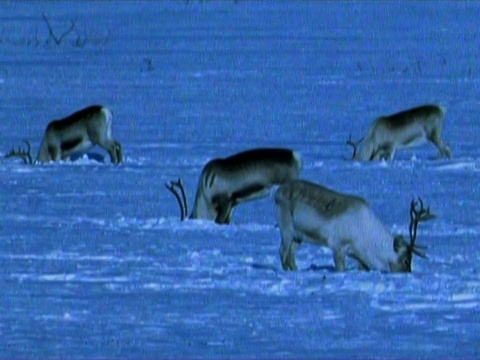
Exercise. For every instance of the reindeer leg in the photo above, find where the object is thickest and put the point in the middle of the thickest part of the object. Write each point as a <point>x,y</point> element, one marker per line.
<point>294,245</point>
<point>113,147</point>
<point>289,241</point>
<point>223,205</point>
<point>288,249</point>
<point>229,216</point>
<point>376,154</point>
<point>339,258</point>
<point>119,151</point>
<point>389,153</point>
<point>436,139</point>
<point>54,152</point>
<point>446,152</point>
<point>224,217</point>
<point>361,264</point>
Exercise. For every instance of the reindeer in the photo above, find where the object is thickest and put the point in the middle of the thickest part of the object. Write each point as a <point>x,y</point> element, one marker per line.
<point>345,224</point>
<point>408,128</point>
<point>78,132</point>
<point>225,183</point>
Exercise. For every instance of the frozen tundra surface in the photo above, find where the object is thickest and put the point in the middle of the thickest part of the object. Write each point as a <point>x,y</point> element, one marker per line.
<point>94,260</point>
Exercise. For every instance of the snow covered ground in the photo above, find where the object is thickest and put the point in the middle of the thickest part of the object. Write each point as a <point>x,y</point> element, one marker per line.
<point>94,260</point>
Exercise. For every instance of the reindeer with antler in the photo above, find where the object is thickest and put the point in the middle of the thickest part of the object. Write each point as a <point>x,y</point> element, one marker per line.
<point>346,224</point>
<point>78,132</point>
<point>225,183</point>
<point>408,128</point>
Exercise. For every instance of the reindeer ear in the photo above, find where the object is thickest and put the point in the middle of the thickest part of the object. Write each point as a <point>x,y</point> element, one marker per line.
<point>399,244</point>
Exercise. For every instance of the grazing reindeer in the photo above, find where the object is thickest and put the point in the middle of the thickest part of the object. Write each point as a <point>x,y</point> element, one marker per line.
<point>225,183</point>
<point>408,128</point>
<point>78,132</point>
<point>345,224</point>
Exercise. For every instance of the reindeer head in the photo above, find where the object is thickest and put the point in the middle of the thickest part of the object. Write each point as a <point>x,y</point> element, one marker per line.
<point>406,250</point>
<point>180,195</point>
<point>354,144</point>
<point>24,154</point>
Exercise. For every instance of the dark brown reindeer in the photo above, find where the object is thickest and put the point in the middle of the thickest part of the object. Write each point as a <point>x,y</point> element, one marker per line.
<point>408,128</point>
<point>225,183</point>
<point>78,132</point>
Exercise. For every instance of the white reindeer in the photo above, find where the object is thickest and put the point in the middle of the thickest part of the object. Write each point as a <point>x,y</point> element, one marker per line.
<point>408,128</point>
<point>345,224</point>
<point>77,133</point>
<point>225,183</point>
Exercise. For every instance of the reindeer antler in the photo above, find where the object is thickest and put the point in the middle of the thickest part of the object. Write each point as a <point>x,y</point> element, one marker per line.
<point>24,154</point>
<point>354,144</point>
<point>418,214</point>
<point>177,189</point>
